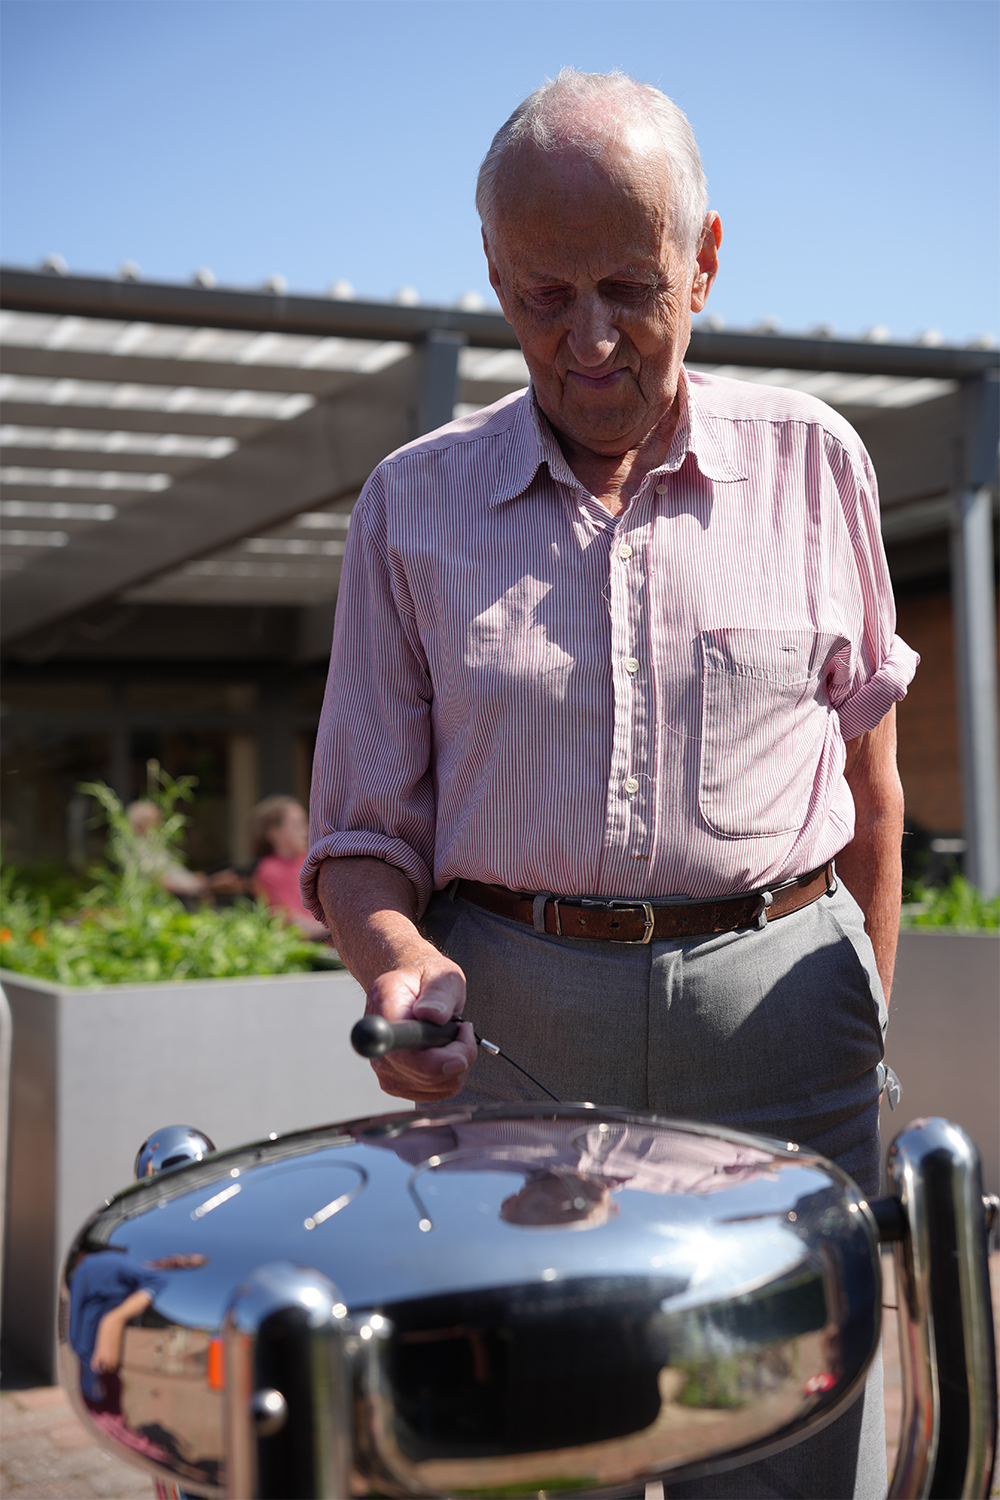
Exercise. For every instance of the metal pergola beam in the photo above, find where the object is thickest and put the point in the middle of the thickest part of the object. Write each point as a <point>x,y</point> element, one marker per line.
<point>777,352</point>
<point>262,312</point>
<point>267,312</point>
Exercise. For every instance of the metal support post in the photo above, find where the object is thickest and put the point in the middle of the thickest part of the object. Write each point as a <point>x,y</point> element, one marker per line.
<point>946,1343</point>
<point>287,1388</point>
<point>440,378</point>
<point>974,612</point>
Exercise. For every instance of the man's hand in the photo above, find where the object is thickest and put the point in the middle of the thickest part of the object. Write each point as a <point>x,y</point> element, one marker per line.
<point>371,910</point>
<point>432,990</point>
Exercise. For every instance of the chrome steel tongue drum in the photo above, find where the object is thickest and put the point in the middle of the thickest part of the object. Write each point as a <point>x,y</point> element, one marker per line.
<point>520,1301</point>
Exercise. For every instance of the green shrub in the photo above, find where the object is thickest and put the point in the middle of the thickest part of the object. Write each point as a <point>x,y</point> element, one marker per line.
<point>125,929</point>
<point>958,905</point>
<point>50,882</point>
<point>151,937</point>
<point>717,1384</point>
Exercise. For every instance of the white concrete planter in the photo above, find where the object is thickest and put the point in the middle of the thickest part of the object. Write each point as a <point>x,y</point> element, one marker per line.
<point>944,1037</point>
<point>96,1070</point>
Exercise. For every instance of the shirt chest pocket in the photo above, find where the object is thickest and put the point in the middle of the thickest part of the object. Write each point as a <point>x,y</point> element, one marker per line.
<point>765,723</point>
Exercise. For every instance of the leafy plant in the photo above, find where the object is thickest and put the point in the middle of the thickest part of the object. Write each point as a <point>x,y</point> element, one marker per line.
<point>717,1384</point>
<point>128,929</point>
<point>151,938</point>
<point>47,881</point>
<point>958,905</point>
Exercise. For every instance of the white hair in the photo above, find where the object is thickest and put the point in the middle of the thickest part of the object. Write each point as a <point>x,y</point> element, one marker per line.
<point>575,110</point>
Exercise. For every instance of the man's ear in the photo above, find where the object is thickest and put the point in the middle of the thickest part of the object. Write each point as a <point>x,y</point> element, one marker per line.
<point>708,261</point>
<point>495,282</point>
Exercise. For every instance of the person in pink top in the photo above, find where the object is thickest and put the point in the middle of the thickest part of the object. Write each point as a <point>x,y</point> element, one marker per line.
<point>279,834</point>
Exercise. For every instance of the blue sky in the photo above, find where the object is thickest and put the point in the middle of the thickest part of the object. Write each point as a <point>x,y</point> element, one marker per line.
<point>851,148</point>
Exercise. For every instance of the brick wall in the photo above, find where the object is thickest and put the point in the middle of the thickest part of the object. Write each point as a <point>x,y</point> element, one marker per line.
<point>928,716</point>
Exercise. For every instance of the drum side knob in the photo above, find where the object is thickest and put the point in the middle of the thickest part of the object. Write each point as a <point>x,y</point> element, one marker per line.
<point>172,1146</point>
<point>269,1411</point>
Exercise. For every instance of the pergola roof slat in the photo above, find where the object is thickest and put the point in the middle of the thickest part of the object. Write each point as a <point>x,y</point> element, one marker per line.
<point>110,418</point>
<point>81,459</point>
<point>291,467</point>
<point>72,364</point>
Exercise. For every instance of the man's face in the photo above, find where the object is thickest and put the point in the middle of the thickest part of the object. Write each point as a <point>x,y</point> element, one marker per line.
<point>560,1199</point>
<point>587,272</point>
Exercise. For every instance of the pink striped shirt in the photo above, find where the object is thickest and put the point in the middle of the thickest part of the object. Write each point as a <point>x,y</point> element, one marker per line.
<point>526,691</point>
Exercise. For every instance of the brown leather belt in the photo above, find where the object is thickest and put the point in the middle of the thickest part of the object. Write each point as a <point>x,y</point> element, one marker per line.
<point>645,921</point>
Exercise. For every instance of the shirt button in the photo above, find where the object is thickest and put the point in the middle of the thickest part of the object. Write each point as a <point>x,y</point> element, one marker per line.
<point>631,786</point>
<point>625,550</point>
<point>663,489</point>
<point>631,665</point>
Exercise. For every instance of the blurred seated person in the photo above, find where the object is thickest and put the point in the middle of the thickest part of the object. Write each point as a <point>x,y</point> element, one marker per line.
<point>158,863</point>
<point>279,834</point>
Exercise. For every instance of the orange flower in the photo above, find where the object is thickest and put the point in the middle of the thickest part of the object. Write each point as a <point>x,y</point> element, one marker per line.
<point>38,938</point>
<point>5,934</point>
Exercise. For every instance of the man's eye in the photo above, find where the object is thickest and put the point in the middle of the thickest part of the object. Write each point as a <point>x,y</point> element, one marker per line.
<point>626,291</point>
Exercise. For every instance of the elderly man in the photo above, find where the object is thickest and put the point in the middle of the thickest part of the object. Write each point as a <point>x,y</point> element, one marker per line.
<point>613,682</point>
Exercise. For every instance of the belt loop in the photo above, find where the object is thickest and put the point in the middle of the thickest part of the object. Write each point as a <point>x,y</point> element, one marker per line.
<point>832,883</point>
<point>451,889</point>
<point>766,900</point>
<point>538,911</point>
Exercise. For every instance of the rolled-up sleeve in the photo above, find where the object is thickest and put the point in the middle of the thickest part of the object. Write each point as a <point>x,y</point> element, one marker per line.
<point>876,671</point>
<point>870,703</point>
<point>372,786</point>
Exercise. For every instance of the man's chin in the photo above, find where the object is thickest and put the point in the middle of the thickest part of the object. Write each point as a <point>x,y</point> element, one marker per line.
<point>608,433</point>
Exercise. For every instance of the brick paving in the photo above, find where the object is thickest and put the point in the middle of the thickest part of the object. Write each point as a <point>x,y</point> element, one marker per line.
<point>47,1454</point>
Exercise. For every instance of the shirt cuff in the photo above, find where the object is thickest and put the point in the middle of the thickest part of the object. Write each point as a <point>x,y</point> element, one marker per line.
<point>364,844</point>
<point>869,705</point>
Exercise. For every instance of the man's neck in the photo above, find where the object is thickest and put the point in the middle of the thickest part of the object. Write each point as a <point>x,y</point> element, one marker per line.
<point>613,479</point>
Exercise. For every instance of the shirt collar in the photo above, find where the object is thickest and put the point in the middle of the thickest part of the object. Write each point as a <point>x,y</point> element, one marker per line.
<point>701,437</point>
<point>532,443</point>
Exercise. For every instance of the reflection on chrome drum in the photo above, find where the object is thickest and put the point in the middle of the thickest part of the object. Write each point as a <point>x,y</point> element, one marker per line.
<point>466,1301</point>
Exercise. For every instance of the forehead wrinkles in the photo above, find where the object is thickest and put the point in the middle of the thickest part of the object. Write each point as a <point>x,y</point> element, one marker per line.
<point>570,202</point>
<point>578,264</point>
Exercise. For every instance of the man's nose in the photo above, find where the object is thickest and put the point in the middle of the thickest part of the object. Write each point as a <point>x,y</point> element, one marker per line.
<point>592,335</point>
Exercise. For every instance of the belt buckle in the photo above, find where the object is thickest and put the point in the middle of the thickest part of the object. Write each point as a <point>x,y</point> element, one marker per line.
<point>647,932</point>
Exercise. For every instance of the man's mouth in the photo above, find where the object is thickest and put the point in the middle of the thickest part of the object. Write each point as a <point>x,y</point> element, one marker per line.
<point>595,382</point>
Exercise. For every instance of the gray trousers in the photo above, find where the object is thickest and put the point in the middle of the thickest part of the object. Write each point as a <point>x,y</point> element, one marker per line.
<point>778,1032</point>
